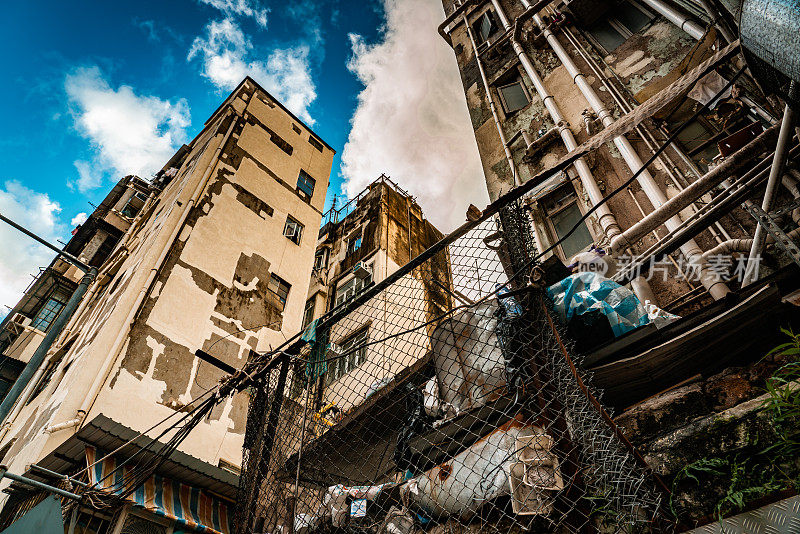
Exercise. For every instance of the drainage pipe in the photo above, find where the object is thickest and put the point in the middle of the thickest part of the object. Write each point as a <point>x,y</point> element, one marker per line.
<point>33,365</point>
<point>492,105</point>
<point>657,198</point>
<point>698,188</point>
<point>677,17</point>
<point>648,138</point>
<point>606,219</point>
<point>775,174</point>
<point>113,352</point>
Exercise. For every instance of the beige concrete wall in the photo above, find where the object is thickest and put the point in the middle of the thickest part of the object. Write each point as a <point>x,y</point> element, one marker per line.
<point>210,292</point>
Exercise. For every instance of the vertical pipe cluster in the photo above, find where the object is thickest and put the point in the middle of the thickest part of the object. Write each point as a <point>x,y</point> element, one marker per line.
<point>657,198</point>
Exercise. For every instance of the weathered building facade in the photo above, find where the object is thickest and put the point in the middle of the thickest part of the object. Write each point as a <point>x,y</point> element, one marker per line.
<point>361,244</point>
<point>217,258</point>
<point>23,329</point>
<point>542,79</point>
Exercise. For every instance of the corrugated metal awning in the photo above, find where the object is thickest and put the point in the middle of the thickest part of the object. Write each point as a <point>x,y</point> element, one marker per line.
<point>106,434</point>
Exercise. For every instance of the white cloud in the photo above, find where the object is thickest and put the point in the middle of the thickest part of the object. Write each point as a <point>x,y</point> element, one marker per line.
<point>242,8</point>
<point>88,177</point>
<point>132,134</point>
<point>21,255</point>
<point>411,121</point>
<point>80,218</point>
<point>225,52</point>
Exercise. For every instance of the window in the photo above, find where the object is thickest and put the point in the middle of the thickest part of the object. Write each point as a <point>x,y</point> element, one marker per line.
<point>314,142</point>
<point>624,19</point>
<point>353,244</point>
<point>279,287</point>
<point>352,287</point>
<point>296,129</point>
<point>353,353</point>
<point>293,230</point>
<point>281,143</point>
<point>134,205</point>
<point>88,521</point>
<point>321,259</point>
<point>305,183</point>
<point>308,314</point>
<point>514,96</point>
<point>52,307</point>
<point>563,213</point>
<point>485,27</point>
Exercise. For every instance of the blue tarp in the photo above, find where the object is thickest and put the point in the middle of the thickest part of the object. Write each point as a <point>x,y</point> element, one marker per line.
<point>588,292</point>
<point>44,518</point>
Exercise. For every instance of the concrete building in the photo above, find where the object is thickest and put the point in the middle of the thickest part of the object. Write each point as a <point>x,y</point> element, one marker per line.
<point>218,258</point>
<point>540,80</point>
<point>23,329</point>
<point>360,244</point>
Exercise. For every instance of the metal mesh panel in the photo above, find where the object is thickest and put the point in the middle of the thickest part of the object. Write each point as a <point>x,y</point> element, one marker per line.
<point>446,401</point>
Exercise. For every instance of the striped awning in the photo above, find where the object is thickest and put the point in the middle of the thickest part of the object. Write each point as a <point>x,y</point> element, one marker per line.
<point>189,506</point>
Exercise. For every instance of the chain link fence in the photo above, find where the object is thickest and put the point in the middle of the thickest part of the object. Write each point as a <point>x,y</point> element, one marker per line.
<point>445,401</point>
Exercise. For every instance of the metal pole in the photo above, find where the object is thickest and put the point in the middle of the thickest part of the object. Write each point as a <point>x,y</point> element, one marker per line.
<point>67,256</point>
<point>41,351</point>
<point>38,485</point>
<point>775,173</point>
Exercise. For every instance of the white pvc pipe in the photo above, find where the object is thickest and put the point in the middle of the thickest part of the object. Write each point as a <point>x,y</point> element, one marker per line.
<point>657,198</point>
<point>677,17</point>
<point>776,172</point>
<point>606,219</point>
<point>492,106</point>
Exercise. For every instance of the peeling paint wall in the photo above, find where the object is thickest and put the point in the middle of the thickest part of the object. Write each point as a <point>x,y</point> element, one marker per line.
<point>653,57</point>
<point>211,291</point>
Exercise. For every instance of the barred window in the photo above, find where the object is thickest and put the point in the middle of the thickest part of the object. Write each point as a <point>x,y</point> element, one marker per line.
<point>52,307</point>
<point>353,353</point>
<point>353,287</point>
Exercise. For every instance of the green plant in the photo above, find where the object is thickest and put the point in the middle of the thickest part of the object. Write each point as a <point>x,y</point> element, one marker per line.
<point>746,476</point>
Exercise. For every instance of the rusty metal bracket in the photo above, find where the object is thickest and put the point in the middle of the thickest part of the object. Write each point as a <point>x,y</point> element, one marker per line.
<point>781,239</point>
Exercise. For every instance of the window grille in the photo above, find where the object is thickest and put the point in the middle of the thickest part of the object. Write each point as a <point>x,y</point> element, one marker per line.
<point>50,310</point>
<point>352,287</point>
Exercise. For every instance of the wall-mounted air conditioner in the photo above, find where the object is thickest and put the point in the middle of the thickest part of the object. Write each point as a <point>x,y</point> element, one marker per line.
<point>21,320</point>
<point>361,271</point>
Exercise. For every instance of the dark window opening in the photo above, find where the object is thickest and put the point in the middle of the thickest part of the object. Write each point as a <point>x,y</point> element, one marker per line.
<point>293,230</point>
<point>353,245</point>
<point>623,20</point>
<point>281,143</point>
<point>513,96</point>
<point>315,143</point>
<point>306,183</point>
<point>279,287</point>
<point>321,259</point>
<point>295,128</point>
<point>485,27</point>
<point>134,205</point>
<point>103,251</point>
<point>308,313</point>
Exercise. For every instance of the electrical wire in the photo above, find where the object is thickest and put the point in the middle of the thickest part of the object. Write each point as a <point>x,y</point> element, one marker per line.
<point>644,166</point>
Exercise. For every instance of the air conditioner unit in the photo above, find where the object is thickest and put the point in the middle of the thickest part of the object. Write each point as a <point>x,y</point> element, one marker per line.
<point>20,319</point>
<point>361,271</point>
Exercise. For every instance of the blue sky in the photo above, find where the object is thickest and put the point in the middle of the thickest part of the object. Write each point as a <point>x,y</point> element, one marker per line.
<point>97,90</point>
